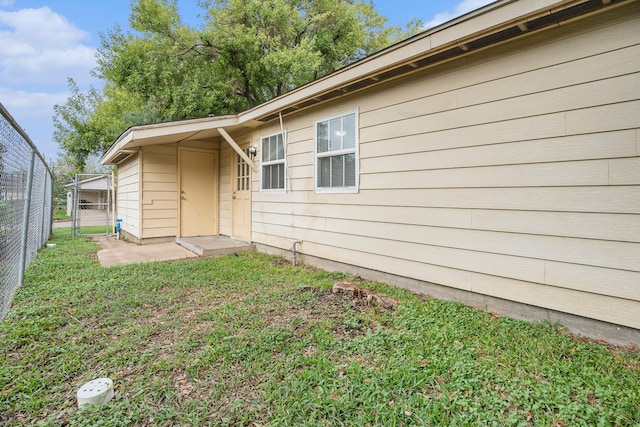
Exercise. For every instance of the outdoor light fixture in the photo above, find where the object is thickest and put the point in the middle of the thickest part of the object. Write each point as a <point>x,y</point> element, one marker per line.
<point>252,151</point>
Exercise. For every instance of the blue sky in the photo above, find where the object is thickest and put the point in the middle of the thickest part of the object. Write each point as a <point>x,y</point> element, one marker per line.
<point>44,42</point>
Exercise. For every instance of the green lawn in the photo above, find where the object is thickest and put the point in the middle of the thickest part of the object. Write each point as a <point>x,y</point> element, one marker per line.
<point>251,341</point>
<point>60,214</point>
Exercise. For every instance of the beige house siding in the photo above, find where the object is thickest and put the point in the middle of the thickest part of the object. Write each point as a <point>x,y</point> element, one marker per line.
<point>510,174</point>
<point>513,172</point>
<point>160,191</point>
<point>160,187</point>
<point>128,195</point>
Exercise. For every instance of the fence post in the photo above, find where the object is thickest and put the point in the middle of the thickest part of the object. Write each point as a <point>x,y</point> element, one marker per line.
<point>52,191</point>
<point>42,239</point>
<point>25,218</point>
<point>74,206</point>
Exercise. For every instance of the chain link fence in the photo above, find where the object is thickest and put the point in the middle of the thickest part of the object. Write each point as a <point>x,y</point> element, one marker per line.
<point>91,205</point>
<point>26,193</point>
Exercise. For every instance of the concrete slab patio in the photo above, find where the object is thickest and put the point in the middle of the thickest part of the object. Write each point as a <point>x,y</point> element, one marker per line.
<point>118,252</point>
<point>214,245</point>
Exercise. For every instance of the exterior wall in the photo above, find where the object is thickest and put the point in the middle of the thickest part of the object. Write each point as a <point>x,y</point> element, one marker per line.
<point>128,196</point>
<point>95,184</point>
<point>160,188</point>
<point>92,192</point>
<point>160,191</point>
<point>93,199</point>
<point>513,173</point>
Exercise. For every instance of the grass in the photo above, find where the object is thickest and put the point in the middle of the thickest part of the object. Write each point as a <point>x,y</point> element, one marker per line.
<point>98,230</point>
<point>60,213</point>
<point>252,341</point>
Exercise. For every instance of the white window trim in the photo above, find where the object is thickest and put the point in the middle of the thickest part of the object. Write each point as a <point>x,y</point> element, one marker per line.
<point>355,150</point>
<point>274,162</point>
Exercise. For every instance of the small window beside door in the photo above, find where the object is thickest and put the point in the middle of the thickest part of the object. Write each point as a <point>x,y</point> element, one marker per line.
<point>243,174</point>
<point>336,153</point>
<point>273,165</point>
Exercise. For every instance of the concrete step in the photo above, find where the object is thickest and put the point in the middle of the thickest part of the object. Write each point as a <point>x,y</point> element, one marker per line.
<point>208,246</point>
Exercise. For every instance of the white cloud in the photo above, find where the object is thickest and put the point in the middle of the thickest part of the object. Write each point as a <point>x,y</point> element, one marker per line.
<point>33,111</point>
<point>38,46</point>
<point>25,104</point>
<point>461,8</point>
<point>39,49</point>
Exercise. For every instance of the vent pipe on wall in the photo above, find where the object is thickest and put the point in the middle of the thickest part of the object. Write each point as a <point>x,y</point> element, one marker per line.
<point>294,250</point>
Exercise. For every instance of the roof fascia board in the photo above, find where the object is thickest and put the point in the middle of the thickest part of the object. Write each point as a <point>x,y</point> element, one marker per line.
<point>464,29</point>
<point>117,146</point>
<point>501,15</point>
<point>155,130</point>
<point>460,30</point>
<point>84,181</point>
<point>183,126</point>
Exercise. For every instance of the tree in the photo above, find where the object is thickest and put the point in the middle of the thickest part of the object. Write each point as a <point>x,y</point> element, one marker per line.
<point>171,80</point>
<point>264,48</point>
<point>246,52</point>
<point>73,122</point>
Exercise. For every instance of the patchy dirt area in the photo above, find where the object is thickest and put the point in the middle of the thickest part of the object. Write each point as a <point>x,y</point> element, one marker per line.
<point>326,305</point>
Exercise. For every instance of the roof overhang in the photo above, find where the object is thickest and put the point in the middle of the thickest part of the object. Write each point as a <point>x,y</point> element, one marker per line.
<point>164,133</point>
<point>94,183</point>
<point>495,23</point>
<point>498,22</point>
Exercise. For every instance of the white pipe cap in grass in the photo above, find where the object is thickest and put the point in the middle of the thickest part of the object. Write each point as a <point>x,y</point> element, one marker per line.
<point>95,392</point>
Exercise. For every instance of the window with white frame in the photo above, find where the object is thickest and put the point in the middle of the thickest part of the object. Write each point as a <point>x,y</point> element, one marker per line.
<point>273,163</point>
<point>336,153</point>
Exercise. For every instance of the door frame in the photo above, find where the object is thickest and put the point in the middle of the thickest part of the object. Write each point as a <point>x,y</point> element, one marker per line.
<point>244,146</point>
<point>216,178</point>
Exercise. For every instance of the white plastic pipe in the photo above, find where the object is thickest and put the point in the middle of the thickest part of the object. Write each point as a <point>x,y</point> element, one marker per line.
<point>95,392</point>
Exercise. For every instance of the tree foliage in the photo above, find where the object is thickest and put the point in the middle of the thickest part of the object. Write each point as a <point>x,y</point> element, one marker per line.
<point>245,53</point>
<point>264,48</point>
<point>74,128</point>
